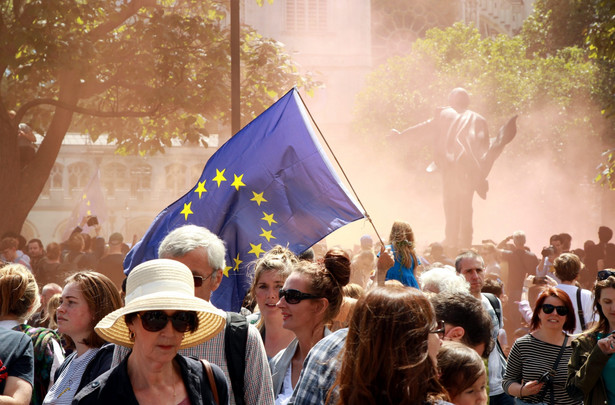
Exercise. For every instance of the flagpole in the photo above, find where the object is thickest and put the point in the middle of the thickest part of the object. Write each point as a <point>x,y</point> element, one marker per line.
<point>367,216</point>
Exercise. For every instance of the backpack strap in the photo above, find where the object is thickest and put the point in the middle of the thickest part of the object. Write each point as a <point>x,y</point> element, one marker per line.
<point>580,309</point>
<point>495,304</point>
<point>212,381</point>
<point>235,342</point>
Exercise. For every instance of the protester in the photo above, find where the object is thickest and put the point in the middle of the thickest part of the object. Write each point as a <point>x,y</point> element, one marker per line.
<point>590,370</point>
<point>270,272</point>
<point>19,298</point>
<point>159,291</point>
<point>537,364</point>
<point>238,349</point>
<point>402,245</point>
<point>390,352</point>
<point>463,374</point>
<point>16,367</point>
<point>87,297</point>
<point>311,297</point>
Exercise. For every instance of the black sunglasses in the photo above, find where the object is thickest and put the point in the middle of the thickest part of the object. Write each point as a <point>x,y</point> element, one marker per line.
<point>439,330</point>
<point>182,321</point>
<point>561,310</point>
<point>604,274</point>
<point>295,296</point>
<point>199,280</point>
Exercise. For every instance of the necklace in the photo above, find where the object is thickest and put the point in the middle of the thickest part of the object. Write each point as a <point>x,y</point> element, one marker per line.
<point>174,382</point>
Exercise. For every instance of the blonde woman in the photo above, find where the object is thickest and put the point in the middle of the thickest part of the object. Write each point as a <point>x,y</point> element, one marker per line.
<point>401,244</point>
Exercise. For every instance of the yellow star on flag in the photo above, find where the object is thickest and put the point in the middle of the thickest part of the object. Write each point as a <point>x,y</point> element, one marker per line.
<point>237,182</point>
<point>258,197</point>
<point>84,196</point>
<point>219,176</point>
<point>237,263</point>
<point>267,234</point>
<point>256,249</point>
<point>269,218</point>
<point>201,188</point>
<point>225,271</point>
<point>187,210</point>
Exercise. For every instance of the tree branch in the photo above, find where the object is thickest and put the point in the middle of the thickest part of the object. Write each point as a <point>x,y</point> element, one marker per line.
<point>80,110</point>
<point>117,19</point>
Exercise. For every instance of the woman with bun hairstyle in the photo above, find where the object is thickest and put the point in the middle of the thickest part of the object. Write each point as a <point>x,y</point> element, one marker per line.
<point>311,297</point>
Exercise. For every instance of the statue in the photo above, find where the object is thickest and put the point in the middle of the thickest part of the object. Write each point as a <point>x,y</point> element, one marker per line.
<point>464,155</point>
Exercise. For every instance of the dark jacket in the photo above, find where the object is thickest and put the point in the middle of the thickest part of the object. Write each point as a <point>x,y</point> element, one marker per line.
<point>113,387</point>
<point>100,363</point>
<point>585,370</point>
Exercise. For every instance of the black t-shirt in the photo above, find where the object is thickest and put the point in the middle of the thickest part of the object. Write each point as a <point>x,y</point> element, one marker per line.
<point>16,357</point>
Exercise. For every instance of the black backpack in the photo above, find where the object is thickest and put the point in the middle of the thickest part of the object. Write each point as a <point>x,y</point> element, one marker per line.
<point>235,342</point>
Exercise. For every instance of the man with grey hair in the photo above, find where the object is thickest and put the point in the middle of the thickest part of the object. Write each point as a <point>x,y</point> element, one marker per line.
<point>471,266</point>
<point>204,252</point>
<point>521,262</point>
<point>443,280</point>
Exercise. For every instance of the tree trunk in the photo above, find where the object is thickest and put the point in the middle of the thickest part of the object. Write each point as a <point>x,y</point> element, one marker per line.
<point>20,188</point>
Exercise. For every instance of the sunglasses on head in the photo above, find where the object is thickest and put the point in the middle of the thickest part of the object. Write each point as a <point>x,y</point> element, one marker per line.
<point>604,274</point>
<point>295,296</point>
<point>182,321</point>
<point>561,310</point>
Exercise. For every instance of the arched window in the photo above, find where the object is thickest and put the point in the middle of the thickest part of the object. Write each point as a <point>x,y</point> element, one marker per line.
<point>79,174</point>
<point>114,177</point>
<point>54,182</point>
<point>176,178</point>
<point>140,179</point>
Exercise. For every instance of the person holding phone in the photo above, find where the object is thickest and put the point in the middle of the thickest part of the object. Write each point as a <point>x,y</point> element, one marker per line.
<point>591,371</point>
<point>537,371</point>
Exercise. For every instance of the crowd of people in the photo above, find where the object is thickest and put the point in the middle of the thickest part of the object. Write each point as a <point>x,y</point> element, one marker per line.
<point>379,324</point>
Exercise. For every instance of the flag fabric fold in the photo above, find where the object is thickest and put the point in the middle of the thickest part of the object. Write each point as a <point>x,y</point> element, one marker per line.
<point>92,202</point>
<point>271,183</point>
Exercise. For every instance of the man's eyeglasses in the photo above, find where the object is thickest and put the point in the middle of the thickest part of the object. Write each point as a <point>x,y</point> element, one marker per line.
<point>199,280</point>
<point>604,274</point>
<point>295,296</point>
<point>439,330</point>
<point>182,321</point>
<point>561,310</point>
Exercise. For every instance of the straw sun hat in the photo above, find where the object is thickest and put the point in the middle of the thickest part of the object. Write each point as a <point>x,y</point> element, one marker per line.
<point>162,284</point>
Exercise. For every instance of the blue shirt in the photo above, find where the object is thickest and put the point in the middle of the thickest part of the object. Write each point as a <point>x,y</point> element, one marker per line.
<point>401,273</point>
<point>319,370</point>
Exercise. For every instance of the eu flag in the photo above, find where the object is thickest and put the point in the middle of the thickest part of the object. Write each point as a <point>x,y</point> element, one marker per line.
<point>270,184</point>
<point>92,202</point>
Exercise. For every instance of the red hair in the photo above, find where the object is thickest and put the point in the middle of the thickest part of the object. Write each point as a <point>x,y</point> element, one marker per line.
<point>547,292</point>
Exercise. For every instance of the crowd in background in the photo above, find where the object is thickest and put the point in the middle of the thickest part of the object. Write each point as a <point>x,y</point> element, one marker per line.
<point>379,323</point>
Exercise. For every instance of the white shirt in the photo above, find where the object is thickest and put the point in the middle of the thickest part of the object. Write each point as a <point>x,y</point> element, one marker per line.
<point>587,303</point>
<point>65,387</point>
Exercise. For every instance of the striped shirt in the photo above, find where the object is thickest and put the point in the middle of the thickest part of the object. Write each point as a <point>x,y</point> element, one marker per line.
<point>529,359</point>
<point>65,387</point>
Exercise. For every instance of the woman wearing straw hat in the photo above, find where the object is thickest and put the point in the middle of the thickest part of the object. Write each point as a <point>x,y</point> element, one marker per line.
<point>161,316</point>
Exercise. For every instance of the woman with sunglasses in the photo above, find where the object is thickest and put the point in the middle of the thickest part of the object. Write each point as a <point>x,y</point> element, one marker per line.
<point>161,316</point>
<point>591,370</point>
<point>86,298</point>
<point>270,273</point>
<point>537,364</point>
<point>311,297</point>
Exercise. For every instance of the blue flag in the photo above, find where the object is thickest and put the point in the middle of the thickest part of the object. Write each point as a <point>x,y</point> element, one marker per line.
<point>269,184</point>
<point>92,202</point>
